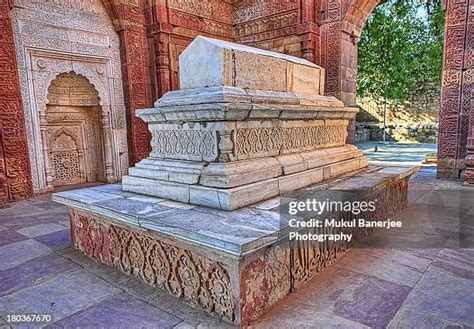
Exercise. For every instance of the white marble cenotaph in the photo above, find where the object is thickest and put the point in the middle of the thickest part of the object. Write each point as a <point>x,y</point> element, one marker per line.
<point>246,125</point>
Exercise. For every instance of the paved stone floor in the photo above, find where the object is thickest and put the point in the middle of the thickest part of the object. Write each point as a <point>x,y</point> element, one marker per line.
<point>419,279</point>
<point>397,153</point>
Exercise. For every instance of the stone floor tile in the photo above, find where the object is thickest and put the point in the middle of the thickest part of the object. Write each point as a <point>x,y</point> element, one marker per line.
<point>28,219</point>
<point>56,240</point>
<point>9,236</point>
<point>434,210</point>
<point>16,208</point>
<point>40,229</point>
<point>48,204</point>
<point>60,296</point>
<point>4,324</point>
<point>356,297</point>
<point>403,239</point>
<point>65,223</point>
<point>407,318</point>
<point>451,199</point>
<point>192,315</point>
<point>32,271</point>
<point>107,273</point>
<point>136,287</point>
<point>306,318</point>
<point>458,262</point>
<point>120,311</point>
<point>17,253</point>
<point>184,325</point>
<point>163,300</point>
<point>392,265</point>
<point>444,295</point>
<point>462,237</point>
<point>212,323</point>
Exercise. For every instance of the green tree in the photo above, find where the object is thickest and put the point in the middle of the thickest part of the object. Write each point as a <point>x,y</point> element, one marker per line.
<point>400,47</point>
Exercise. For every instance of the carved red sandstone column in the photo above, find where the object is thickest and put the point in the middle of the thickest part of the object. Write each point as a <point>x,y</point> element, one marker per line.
<point>339,57</point>
<point>468,92</point>
<point>135,73</point>
<point>3,177</point>
<point>456,92</point>
<point>15,174</point>
<point>469,174</point>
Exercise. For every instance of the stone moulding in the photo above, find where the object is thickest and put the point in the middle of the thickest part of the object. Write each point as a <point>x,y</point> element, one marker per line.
<point>238,104</point>
<point>234,265</point>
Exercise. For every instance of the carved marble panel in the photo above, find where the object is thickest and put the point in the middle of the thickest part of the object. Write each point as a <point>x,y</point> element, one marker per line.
<point>55,37</point>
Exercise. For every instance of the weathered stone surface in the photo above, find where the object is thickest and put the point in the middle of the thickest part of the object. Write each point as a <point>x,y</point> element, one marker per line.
<point>40,229</point>
<point>119,311</point>
<point>239,173</point>
<point>22,275</point>
<point>46,298</point>
<point>210,63</point>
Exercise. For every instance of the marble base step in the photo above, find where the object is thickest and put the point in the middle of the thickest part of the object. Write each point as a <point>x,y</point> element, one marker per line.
<point>234,265</point>
<point>230,186</point>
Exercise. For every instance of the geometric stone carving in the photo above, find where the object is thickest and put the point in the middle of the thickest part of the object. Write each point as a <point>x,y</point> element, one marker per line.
<point>245,127</point>
<point>66,165</point>
<point>188,144</point>
<point>257,140</point>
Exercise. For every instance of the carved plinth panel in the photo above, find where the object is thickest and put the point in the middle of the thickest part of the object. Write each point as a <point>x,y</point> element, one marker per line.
<point>184,144</point>
<point>244,140</point>
<point>184,274</point>
<point>53,39</point>
<point>307,258</point>
<point>250,142</point>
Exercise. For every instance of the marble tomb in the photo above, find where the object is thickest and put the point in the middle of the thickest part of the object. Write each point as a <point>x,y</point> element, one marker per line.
<point>200,217</point>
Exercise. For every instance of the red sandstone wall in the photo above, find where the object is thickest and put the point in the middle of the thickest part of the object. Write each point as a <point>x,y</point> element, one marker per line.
<point>15,174</point>
<point>274,25</point>
<point>131,25</point>
<point>175,24</point>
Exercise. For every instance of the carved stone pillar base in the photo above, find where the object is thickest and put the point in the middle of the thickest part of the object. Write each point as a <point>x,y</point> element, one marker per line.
<point>111,180</point>
<point>469,172</point>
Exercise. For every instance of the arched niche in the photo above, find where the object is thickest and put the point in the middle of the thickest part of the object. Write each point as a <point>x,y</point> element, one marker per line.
<point>54,38</point>
<point>75,133</point>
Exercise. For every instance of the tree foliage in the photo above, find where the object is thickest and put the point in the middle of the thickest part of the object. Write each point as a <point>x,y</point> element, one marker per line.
<point>400,48</point>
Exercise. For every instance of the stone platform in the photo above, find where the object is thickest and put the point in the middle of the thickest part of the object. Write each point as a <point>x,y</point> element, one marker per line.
<point>235,265</point>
